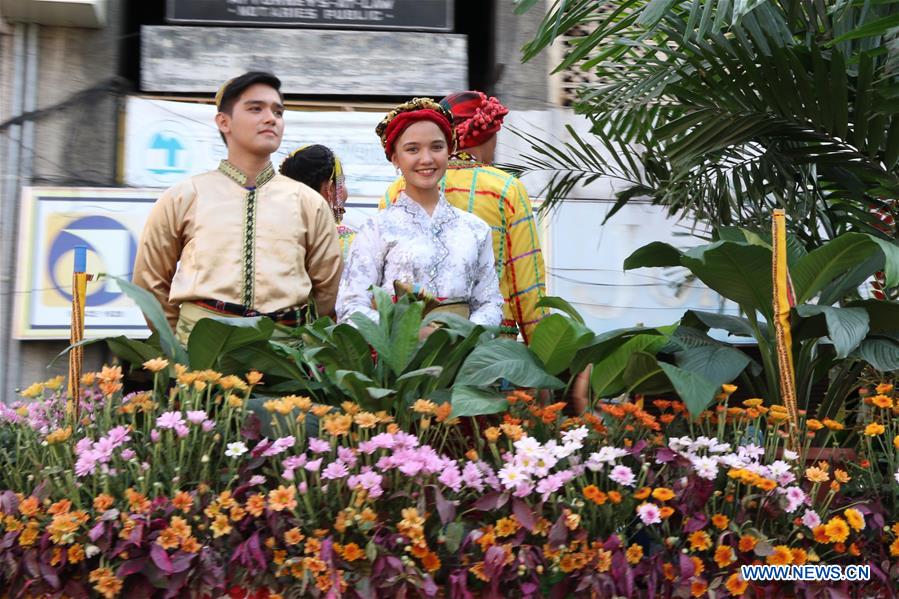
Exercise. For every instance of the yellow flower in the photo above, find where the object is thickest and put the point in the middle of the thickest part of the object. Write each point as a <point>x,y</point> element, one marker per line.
<point>253,377</point>
<point>492,434</point>
<point>282,498</point>
<point>365,420</point>
<point>735,584</point>
<point>156,364</point>
<point>662,494</point>
<point>833,424</point>
<point>105,582</point>
<point>724,556</point>
<point>816,475</point>
<point>220,526</point>
<point>874,429</point>
<point>782,556</point>
<point>813,424</point>
<point>894,548</point>
<point>293,536</point>
<point>513,431</point>
<point>747,543</point>
<point>884,388</point>
<point>720,521</point>
<point>506,527</point>
<point>59,435</point>
<point>841,476</point>
<point>729,389</point>
<point>634,554</point>
<point>753,403</point>
<point>837,530</point>
<point>33,391</point>
<point>855,518</point>
<point>423,406</point>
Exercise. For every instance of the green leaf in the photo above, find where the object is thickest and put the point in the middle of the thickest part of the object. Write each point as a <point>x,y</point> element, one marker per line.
<point>874,28</point>
<point>846,327</point>
<point>404,337</point>
<point>153,311</point>
<point>212,337</point>
<point>264,357</point>
<point>500,359</point>
<point>373,333</point>
<point>718,364</point>
<point>132,350</point>
<point>560,304</point>
<point>453,536</point>
<point>735,325</point>
<point>814,271</point>
<point>653,255</point>
<point>555,341</point>
<point>882,354</point>
<point>472,401</point>
<point>607,376</point>
<point>696,391</point>
<point>643,375</point>
<point>738,271</point>
<point>883,315</point>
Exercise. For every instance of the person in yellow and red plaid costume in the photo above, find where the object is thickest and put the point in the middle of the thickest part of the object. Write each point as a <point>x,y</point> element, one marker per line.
<point>498,198</point>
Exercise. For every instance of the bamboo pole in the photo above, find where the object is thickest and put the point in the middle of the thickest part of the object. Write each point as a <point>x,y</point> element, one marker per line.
<point>76,334</point>
<point>784,299</point>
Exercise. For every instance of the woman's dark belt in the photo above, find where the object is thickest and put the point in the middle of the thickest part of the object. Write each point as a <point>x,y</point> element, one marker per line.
<point>288,316</point>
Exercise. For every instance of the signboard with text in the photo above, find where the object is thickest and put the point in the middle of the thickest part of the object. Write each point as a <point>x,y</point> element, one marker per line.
<point>108,221</point>
<point>425,15</point>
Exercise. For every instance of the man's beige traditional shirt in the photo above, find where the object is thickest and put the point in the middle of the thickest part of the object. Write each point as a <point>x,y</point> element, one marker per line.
<point>267,248</point>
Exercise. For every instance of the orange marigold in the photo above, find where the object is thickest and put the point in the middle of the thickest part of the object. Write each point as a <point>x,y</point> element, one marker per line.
<point>634,554</point>
<point>720,521</point>
<point>782,556</point>
<point>700,541</point>
<point>662,494</point>
<point>282,498</point>
<point>747,543</point>
<point>735,584</point>
<point>724,556</point>
<point>837,530</point>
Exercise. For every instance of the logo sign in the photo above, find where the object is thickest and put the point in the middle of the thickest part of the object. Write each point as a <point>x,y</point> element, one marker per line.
<point>433,15</point>
<point>54,221</point>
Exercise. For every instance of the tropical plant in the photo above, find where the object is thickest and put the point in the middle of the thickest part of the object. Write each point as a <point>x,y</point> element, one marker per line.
<point>721,111</point>
<point>832,342</point>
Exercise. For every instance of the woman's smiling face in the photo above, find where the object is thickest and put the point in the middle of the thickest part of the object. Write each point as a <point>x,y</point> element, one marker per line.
<point>421,155</point>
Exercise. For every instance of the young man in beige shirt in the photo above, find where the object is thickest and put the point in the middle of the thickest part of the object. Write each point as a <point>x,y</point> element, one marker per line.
<point>241,240</point>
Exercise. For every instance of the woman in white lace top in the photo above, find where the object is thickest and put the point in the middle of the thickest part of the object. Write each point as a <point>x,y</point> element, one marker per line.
<point>422,241</point>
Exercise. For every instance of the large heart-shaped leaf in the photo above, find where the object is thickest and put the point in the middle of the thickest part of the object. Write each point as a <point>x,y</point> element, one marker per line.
<point>881,353</point>
<point>607,377</point>
<point>643,375</point>
<point>556,339</point>
<point>696,391</point>
<point>846,327</point>
<point>741,272</point>
<point>735,325</point>
<point>501,359</point>
<point>653,255</point>
<point>213,337</point>
<point>814,272</point>
<point>883,315</point>
<point>560,304</point>
<point>472,401</point>
<point>718,364</point>
<point>404,337</point>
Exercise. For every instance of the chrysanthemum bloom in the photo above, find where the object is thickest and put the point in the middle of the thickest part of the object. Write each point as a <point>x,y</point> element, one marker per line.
<point>816,475</point>
<point>282,498</point>
<point>720,521</point>
<point>833,424</point>
<point>782,556</point>
<point>662,494</point>
<point>649,513</point>
<point>634,554</point>
<point>724,556</point>
<point>837,530</point>
<point>156,364</point>
<point>855,519</point>
<point>735,584</point>
<point>747,543</point>
<point>874,429</point>
<point>699,541</point>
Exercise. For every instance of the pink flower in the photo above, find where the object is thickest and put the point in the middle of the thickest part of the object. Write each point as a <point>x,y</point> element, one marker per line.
<point>83,445</point>
<point>86,464</point>
<point>811,518</point>
<point>795,498</point>
<point>347,456</point>
<point>523,489</point>
<point>649,513</point>
<point>169,420</point>
<point>383,441</point>
<point>471,476</point>
<point>208,425</point>
<point>314,465</point>
<point>623,475</point>
<point>127,454</point>
<point>118,435</point>
<point>335,470</point>
<point>257,479</point>
<point>302,488</point>
<point>318,445</point>
<point>181,430</point>
<point>196,416</point>
<point>367,447</point>
<point>155,436</point>
<point>279,446</point>
<point>451,477</point>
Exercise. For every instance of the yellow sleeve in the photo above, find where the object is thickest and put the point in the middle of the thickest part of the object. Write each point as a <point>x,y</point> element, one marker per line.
<point>324,261</point>
<point>158,253</point>
<point>524,269</point>
<point>398,185</point>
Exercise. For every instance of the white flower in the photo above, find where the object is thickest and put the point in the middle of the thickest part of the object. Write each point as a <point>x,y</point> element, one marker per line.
<point>649,513</point>
<point>752,451</point>
<point>575,435</point>
<point>623,476</point>
<point>897,476</point>
<point>91,550</point>
<point>790,455</point>
<point>732,460</point>
<point>527,445</point>
<point>679,444</point>
<point>511,475</point>
<point>719,447</point>
<point>236,449</point>
<point>706,467</point>
<point>702,442</point>
<point>608,454</point>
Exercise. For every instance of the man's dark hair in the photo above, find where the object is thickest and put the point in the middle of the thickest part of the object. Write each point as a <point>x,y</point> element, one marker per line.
<point>231,91</point>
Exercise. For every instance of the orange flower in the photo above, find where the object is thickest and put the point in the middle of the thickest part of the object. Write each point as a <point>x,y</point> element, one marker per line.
<point>256,504</point>
<point>430,561</point>
<point>724,556</point>
<point>29,507</point>
<point>634,554</point>
<point>507,526</point>
<point>894,548</point>
<point>855,519</point>
<point>352,552</point>
<point>700,541</point>
<point>841,476</point>
<point>666,512</point>
<point>800,556</point>
<point>614,496</point>
<point>698,587</point>
<point>603,560</point>
<point>190,545</point>
<point>820,534</point>
<point>282,498</point>
<point>253,377</point>
<point>220,526</point>
<point>735,584</point>
<point>156,364</point>
<point>874,429</point>
<point>76,553</point>
<point>782,556</point>
<point>137,501</point>
<point>837,530</point>
<point>60,507</point>
<point>492,434</point>
<point>747,543</point>
<point>642,493</point>
<point>766,484</point>
<point>103,502</point>
<point>168,539</point>
<point>816,475</point>
<point>182,501</point>
<point>668,571</point>
<point>105,582</point>
<point>833,424</point>
<point>293,536</point>
<point>882,401</point>
<point>813,425</point>
<point>884,388</point>
<point>662,494</point>
<point>720,521</point>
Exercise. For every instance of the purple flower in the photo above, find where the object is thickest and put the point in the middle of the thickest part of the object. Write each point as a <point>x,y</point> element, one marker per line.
<point>347,456</point>
<point>367,447</point>
<point>196,416</point>
<point>279,446</point>
<point>118,435</point>
<point>257,479</point>
<point>169,420</point>
<point>383,441</point>
<point>182,431</point>
<point>811,518</point>
<point>471,476</point>
<point>314,465</point>
<point>155,435</point>
<point>86,464</point>
<point>103,449</point>
<point>83,445</point>
<point>623,475</point>
<point>208,425</point>
<point>335,470</point>
<point>127,454</point>
<point>318,446</point>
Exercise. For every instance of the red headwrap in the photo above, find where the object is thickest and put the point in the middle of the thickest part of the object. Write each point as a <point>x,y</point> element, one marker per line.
<point>403,120</point>
<point>476,116</point>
